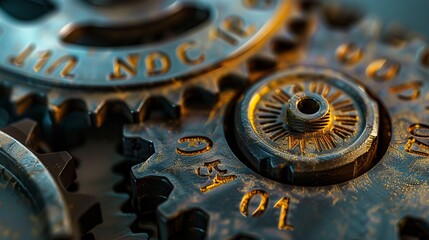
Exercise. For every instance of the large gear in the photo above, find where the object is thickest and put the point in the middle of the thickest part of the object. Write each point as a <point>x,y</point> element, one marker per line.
<point>39,182</point>
<point>107,55</point>
<point>203,184</point>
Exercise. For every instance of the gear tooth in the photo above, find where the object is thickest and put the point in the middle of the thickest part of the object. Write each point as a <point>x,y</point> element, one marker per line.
<point>200,95</point>
<point>242,71</point>
<point>261,63</point>
<point>86,211</point>
<point>286,43</point>
<point>134,130</point>
<point>59,107</point>
<point>22,130</point>
<point>184,224</point>
<point>23,98</point>
<point>149,191</point>
<point>210,86</point>
<point>160,104</point>
<point>56,109</point>
<point>269,56</point>
<point>138,147</point>
<point>299,23</point>
<point>134,105</point>
<point>99,115</point>
<point>234,80</point>
<point>60,164</point>
<point>175,98</point>
<point>341,16</point>
<point>170,207</point>
<point>97,112</point>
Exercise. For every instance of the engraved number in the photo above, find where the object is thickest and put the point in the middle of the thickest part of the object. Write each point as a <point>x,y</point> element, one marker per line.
<point>283,204</point>
<point>220,175</point>
<point>194,145</point>
<point>244,205</point>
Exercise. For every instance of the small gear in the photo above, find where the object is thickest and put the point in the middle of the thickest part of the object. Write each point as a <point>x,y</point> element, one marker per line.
<point>202,178</point>
<point>308,126</point>
<point>101,57</point>
<point>39,182</point>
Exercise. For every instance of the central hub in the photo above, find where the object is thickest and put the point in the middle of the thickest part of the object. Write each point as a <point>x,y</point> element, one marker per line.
<point>308,106</point>
<point>308,126</point>
<point>308,112</point>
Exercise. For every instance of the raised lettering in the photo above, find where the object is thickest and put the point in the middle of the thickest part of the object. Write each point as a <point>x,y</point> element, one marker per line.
<point>182,53</point>
<point>194,145</point>
<point>69,63</point>
<point>125,68</point>
<point>414,146</point>
<point>407,91</point>
<point>419,130</point>
<point>22,56</point>
<point>383,69</point>
<point>233,26</point>
<point>220,178</point>
<point>157,63</point>
<point>283,204</point>
<point>245,201</point>
<point>236,26</point>
<point>44,57</point>
<point>349,53</point>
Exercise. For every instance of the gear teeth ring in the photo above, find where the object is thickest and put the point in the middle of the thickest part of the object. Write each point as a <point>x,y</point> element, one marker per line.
<point>47,177</point>
<point>140,73</point>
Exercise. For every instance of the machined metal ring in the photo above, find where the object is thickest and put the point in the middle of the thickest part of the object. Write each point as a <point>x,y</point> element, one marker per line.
<point>308,126</point>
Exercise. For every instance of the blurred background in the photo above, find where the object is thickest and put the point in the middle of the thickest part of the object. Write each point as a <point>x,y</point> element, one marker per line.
<point>411,14</point>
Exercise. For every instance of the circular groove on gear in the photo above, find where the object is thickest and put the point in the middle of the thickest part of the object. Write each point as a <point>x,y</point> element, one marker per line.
<point>333,139</point>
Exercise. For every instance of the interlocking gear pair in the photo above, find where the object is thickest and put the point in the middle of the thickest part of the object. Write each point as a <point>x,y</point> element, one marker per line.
<point>333,132</point>
<point>104,57</point>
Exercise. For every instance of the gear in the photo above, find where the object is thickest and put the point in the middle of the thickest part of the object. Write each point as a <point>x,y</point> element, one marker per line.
<point>41,182</point>
<point>109,184</point>
<point>308,126</point>
<point>90,61</point>
<point>202,182</point>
